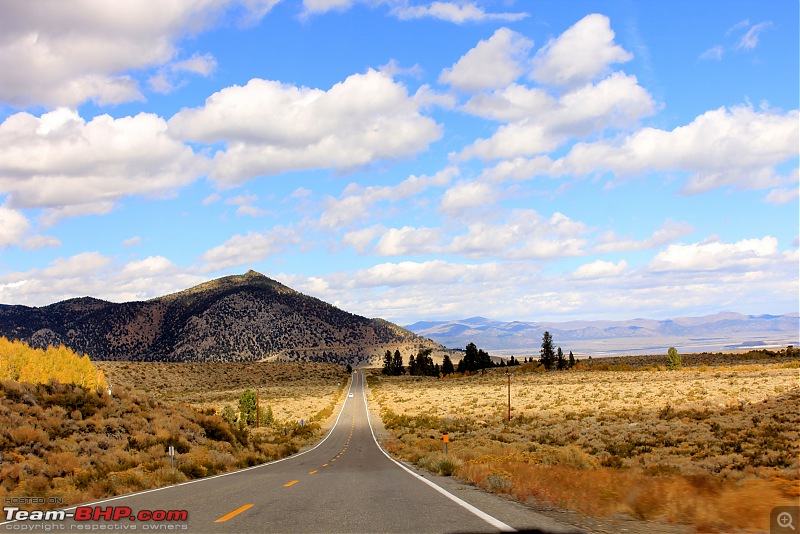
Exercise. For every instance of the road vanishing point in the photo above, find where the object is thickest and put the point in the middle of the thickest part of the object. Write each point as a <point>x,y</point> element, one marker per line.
<point>346,483</point>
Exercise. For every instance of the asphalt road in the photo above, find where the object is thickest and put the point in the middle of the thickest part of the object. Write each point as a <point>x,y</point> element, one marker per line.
<point>344,484</point>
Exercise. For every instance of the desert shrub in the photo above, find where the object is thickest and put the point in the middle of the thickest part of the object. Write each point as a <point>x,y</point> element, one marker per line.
<point>673,359</point>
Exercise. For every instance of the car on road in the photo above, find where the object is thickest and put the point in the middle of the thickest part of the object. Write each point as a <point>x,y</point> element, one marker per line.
<point>351,395</point>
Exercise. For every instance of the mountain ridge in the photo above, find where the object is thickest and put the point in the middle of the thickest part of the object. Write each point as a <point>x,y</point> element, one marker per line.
<point>724,329</point>
<point>247,317</point>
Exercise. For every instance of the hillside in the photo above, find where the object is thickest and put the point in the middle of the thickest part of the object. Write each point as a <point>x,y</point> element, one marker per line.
<point>239,318</point>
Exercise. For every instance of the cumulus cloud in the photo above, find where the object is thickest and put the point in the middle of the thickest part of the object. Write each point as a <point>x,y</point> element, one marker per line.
<point>492,64</point>
<point>543,123</point>
<point>737,146</point>
<point>70,167</point>
<point>268,127</point>
<point>409,241</point>
<point>36,242</point>
<point>580,54</point>
<point>356,201</point>
<point>458,13</point>
<point>466,196</point>
<point>96,275</point>
<point>667,233</point>
<point>525,234</point>
<point>57,55</point>
<point>600,269</point>
<point>14,226</point>
<point>714,255</point>
<point>246,250</point>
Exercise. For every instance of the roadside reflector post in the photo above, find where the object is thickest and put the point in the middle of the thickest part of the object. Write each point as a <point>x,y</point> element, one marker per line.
<point>446,439</point>
<point>171,457</point>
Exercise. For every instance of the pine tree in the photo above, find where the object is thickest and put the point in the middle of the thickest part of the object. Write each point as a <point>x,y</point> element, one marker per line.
<point>447,365</point>
<point>412,366</point>
<point>387,363</point>
<point>547,355</point>
<point>571,362</point>
<point>397,364</point>
<point>561,362</point>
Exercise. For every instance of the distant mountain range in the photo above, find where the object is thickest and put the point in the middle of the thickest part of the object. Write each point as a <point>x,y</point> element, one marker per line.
<point>721,331</point>
<point>236,318</point>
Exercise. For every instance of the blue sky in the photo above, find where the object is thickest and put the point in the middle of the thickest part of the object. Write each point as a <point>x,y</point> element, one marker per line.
<point>405,159</point>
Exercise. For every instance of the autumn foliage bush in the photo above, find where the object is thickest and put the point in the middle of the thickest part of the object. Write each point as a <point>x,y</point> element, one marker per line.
<point>22,363</point>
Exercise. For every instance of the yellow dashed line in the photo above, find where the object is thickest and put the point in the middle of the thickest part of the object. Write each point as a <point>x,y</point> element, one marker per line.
<point>292,483</point>
<point>235,512</point>
<point>312,472</point>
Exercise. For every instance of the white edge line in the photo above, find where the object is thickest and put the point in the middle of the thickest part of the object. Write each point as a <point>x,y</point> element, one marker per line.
<point>478,512</point>
<point>153,490</point>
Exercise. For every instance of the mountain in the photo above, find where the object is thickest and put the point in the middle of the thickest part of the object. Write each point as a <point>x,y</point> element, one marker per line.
<point>726,330</point>
<point>236,318</point>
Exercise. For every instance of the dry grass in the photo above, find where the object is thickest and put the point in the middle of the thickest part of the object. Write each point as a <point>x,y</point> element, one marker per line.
<point>294,390</point>
<point>78,445</point>
<point>685,446</point>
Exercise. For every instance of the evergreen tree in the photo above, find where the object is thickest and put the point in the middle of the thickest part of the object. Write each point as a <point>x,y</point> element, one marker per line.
<point>397,364</point>
<point>561,362</point>
<point>412,366</point>
<point>387,363</point>
<point>247,407</point>
<point>349,369</point>
<point>571,362</point>
<point>447,365</point>
<point>547,355</point>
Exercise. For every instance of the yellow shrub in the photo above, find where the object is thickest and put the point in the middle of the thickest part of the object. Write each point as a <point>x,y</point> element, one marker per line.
<point>22,363</point>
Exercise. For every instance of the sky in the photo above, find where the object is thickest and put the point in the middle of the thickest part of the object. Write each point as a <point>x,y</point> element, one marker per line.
<point>403,159</point>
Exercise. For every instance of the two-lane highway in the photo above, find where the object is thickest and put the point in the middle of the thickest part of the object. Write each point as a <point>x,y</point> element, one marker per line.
<point>344,484</point>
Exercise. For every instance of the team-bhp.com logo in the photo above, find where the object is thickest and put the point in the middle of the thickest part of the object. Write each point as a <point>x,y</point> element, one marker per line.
<point>88,517</point>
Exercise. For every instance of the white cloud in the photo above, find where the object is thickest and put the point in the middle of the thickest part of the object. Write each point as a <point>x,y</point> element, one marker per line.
<point>457,13</point>
<point>424,273</point>
<point>492,64</point>
<point>93,274</point>
<point>600,269</point>
<point>315,7</point>
<point>466,196</point>
<point>750,39</point>
<point>246,250</point>
<point>525,234</point>
<point>737,146</point>
<point>36,242</point>
<point>134,241</point>
<point>782,195</point>
<point>62,54</point>
<point>541,123</point>
<point>580,54</point>
<point>13,226</point>
<point>669,232</point>
<point>715,53</point>
<point>409,241</point>
<point>170,77</point>
<point>356,201</point>
<point>269,127</point>
<point>361,240</point>
<point>748,254</point>
<point>60,162</point>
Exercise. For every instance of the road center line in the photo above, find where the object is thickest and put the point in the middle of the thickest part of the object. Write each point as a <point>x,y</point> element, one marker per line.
<point>312,472</point>
<point>234,513</point>
<point>292,483</point>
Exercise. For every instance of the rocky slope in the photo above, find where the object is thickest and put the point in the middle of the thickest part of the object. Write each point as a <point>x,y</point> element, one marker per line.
<point>236,318</point>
